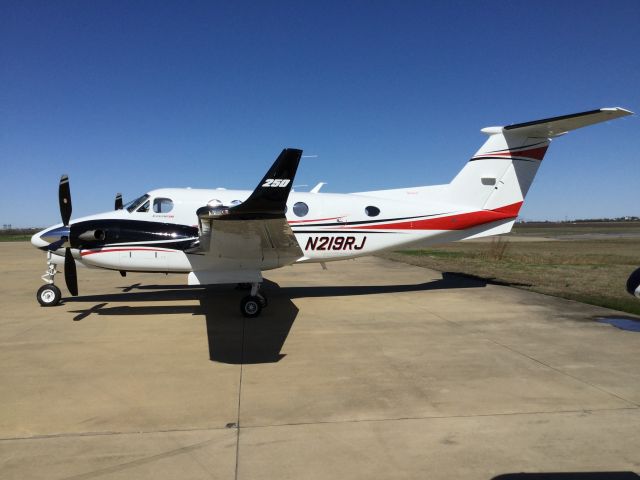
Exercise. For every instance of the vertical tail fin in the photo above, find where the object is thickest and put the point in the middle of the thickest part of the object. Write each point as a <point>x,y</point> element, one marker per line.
<point>500,173</point>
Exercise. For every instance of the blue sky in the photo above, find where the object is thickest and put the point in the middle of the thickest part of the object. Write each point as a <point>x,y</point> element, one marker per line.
<point>130,96</point>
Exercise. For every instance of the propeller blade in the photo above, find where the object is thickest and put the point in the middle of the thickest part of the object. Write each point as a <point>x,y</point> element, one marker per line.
<point>64,197</point>
<point>118,201</point>
<point>57,244</point>
<point>70,274</point>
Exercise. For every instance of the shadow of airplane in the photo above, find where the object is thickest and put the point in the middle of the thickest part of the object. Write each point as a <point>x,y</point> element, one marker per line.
<point>232,338</point>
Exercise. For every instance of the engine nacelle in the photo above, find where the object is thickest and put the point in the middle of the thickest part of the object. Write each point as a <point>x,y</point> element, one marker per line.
<point>633,284</point>
<point>205,216</point>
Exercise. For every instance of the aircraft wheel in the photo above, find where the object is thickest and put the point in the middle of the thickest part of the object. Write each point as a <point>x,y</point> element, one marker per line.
<point>263,300</point>
<point>251,306</point>
<point>48,295</point>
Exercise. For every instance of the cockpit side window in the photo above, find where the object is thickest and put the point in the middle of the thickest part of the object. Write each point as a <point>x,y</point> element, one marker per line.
<point>131,206</point>
<point>162,205</point>
<point>144,207</point>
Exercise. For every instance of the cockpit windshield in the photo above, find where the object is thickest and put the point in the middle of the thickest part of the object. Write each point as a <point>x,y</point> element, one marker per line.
<point>133,205</point>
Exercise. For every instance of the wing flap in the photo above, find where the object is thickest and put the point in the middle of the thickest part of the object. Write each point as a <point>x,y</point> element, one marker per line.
<point>261,240</point>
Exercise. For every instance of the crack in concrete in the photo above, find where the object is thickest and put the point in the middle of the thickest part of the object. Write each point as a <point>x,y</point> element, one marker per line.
<point>324,422</point>
<point>533,359</point>
<point>140,461</point>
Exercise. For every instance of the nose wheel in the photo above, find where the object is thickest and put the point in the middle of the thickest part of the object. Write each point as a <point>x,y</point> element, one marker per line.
<point>252,305</point>
<point>48,295</point>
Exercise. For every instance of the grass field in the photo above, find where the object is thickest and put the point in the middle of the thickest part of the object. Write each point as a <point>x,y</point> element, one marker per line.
<point>561,230</point>
<point>14,237</point>
<point>588,270</point>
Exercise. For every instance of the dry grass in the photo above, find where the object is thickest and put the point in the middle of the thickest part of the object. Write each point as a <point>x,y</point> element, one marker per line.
<point>590,271</point>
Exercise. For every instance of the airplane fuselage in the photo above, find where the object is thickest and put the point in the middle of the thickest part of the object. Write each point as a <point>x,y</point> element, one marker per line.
<point>159,233</point>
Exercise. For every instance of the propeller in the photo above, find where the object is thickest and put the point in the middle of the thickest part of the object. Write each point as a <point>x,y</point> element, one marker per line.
<point>64,198</point>
<point>70,273</point>
<point>118,205</point>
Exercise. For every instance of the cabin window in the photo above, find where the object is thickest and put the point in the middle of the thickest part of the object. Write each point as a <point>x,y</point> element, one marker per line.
<point>300,209</point>
<point>372,211</point>
<point>162,205</point>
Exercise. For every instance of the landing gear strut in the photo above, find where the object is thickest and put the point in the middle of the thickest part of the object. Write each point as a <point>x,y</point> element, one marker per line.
<point>252,304</point>
<point>49,295</point>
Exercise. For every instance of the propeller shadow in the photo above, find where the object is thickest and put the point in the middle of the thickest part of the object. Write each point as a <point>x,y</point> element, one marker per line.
<point>232,338</point>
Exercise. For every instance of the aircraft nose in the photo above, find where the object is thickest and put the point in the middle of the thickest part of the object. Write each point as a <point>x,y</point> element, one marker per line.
<point>44,238</point>
<point>37,241</point>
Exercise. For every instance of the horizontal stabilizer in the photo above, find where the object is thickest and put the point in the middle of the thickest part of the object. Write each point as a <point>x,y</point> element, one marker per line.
<point>552,127</point>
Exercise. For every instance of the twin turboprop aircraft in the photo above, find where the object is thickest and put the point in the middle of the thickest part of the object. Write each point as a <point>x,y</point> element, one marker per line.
<point>232,236</point>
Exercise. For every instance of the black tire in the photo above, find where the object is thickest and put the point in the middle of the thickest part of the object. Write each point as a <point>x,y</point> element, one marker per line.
<point>633,283</point>
<point>251,307</point>
<point>48,295</point>
<point>264,301</point>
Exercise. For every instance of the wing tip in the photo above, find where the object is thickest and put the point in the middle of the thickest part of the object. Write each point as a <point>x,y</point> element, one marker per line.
<point>621,112</point>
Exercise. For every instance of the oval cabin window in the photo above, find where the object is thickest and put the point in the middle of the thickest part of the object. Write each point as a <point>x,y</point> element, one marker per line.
<point>162,205</point>
<point>372,211</point>
<point>300,209</point>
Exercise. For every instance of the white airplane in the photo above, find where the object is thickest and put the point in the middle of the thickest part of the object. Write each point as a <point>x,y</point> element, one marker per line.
<point>231,236</point>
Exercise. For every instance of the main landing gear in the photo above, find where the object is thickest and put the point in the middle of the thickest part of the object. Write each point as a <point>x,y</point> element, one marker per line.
<point>252,304</point>
<point>49,295</point>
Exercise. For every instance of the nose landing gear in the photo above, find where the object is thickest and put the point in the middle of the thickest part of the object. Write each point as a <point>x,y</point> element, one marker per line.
<point>49,295</point>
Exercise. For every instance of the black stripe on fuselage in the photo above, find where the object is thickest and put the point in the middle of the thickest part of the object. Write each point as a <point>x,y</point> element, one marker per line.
<point>362,222</point>
<point>515,157</point>
<point>169,245</point>
<point>117,232</point>
<point>519,149</point>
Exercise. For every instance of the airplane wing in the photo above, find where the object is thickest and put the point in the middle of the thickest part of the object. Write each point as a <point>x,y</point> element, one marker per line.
<point>237,243</point>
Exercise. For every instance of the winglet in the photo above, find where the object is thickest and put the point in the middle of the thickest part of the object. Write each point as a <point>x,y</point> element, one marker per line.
<point>269,199</point>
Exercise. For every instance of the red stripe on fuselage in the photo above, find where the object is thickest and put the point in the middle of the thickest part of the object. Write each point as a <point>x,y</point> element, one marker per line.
<point>533,153</point>
<point>460,221</point>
